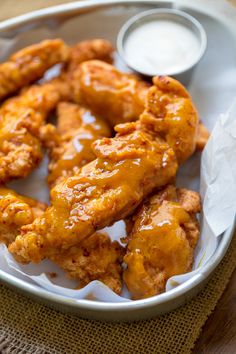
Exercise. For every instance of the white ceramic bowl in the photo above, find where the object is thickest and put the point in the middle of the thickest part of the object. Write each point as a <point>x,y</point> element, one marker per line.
<point>176,17</point>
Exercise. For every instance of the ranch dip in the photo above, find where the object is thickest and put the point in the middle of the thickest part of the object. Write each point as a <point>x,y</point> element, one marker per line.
<point>161,47</point>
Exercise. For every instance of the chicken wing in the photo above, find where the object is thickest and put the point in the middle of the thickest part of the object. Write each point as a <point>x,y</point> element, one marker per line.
<point>162,241</point>
<point>127,169</point>
<point>15,211</point>
<point>29,64</point>
<point>116,96</point>
<point>77,129</point>
<point>21,118</point>
<point>96,258</point>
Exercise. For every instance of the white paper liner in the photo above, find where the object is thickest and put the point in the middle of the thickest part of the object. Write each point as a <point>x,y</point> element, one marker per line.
<point>218,168</point>
<point>217,189</point>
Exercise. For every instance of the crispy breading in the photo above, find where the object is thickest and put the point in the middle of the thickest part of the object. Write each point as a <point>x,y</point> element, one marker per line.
<point>96,258</point>
<point>29,64</point>
<point>128,168</point>
<point>107,189</point>
<point>162,241</point>
<point>171,113</point>
<point>116,96</point>
<point>21,118</point>
<point>203,136</point>
<point>15,211</point>
<point>120,98</point>
<point>88,50</point>
<point>77,129</point>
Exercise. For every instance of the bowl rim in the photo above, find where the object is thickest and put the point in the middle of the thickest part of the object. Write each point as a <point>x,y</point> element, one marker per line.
<point>131,22</point>
<point>75,7</point>
<point>71,9</point>
<point>180,290</point>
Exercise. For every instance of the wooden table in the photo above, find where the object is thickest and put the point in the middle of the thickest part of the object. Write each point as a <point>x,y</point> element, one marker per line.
<point>219,333</point>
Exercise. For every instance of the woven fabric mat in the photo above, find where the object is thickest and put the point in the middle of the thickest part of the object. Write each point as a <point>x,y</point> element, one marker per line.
<point>28,327</point>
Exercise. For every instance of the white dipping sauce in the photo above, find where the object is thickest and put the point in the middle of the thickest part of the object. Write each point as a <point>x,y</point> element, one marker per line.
<point>161,47</point>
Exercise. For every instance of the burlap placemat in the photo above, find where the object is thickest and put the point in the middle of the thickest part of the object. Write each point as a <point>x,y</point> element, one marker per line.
<point>28,327</point>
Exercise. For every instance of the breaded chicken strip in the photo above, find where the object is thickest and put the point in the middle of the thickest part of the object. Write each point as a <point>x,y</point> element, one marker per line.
<point>29,64</point>
<point>15,211</point>
<point>21,118</point>
<point>96,258</point>
<point>116,96</point>
<point>170,113</point>
<point>100,49</point>
<point>77,129</point>
<point>203,136</point>
<point>127,169</point>
<point>120,97</point>
<point>162,241</point>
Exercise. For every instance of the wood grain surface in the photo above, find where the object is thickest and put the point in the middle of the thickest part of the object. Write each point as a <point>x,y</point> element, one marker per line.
<point>219,333</point>
<point>12,8</point>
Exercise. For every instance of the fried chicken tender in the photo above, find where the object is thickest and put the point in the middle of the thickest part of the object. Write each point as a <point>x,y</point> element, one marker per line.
<point>29,64</point>
<point>15,211</point>
<point>203,136</point>
<point>21,118</point>
<point>96,258</point>
<point>162,241</point>
<point>127,169</point>
<point>171,113</point>
<point>77,129</point>
<point>116,96</point>
<point>100,49</point>
<point>120,98</point>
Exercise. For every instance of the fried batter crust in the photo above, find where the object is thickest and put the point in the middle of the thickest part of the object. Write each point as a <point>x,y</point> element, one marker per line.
<point>29,64</point>
<point>100,49</point>
<point>15,211</point>
<point>107,189</point>
<point>116,96</point>
<point>171,113</point>
<point>21,119</point>
<point>127,169</point>
<point>203,136</point>
<point>96,258</point>
<point>162,241</point>
<point>120,98</point>
<point>77,129</point>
